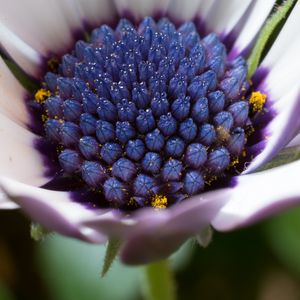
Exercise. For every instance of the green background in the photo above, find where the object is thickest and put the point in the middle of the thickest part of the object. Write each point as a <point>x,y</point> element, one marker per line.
<point>261,262</point>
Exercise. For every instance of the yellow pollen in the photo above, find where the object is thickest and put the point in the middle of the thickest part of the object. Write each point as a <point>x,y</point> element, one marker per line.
<point>53,64</point>
<point>244,153</point>
<point>159,201</point>
<point>210,180</point>
<point>233,163</point>
<point>41,95</point>
<point>44,118</point>
<point>223,133</point>
<point>132,202</point>
<point>257,101</point>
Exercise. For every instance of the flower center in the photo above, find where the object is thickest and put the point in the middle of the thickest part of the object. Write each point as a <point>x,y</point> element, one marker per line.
<point>146,116</point>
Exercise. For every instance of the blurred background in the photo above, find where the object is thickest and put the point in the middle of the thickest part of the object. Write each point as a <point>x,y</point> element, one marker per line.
<point>257,263</point>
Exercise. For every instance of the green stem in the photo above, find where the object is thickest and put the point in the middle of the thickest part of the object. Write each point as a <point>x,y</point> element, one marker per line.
<point>159,283</point>
<point>266,32</point>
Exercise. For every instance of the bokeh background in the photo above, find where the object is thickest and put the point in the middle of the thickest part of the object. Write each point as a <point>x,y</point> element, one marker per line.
<point>257,263</point>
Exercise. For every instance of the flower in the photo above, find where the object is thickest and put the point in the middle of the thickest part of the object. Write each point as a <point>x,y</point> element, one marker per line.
<point>147,234</point>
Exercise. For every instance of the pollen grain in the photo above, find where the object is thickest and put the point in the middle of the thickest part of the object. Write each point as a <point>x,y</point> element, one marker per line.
<point>159,201</point>
<point>257,101</point>
<point>41,95</point>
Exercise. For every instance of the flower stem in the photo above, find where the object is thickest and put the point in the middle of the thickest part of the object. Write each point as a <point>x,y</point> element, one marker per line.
<point>159,283</point>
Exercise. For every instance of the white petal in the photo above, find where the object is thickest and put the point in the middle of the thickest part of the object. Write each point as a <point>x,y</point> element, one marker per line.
<point>18,158</point>
<point>257,16</point>
<point>46,26</point>
<point>260,195</point>
<point>12,96</point>
<point>205,8</point>
<point>94,12</point>
<point>294,142</point>
<point>224,15</point>
<point>184,10</point>
<point>140,9</point>
<point>282,61</point>
<point>280,130</point>
<point>5,203</point>
<point>54,210</point>
<point>283,89</point>
<point>24,55</point>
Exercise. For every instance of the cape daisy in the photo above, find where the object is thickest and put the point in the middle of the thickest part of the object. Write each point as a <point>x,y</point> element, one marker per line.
<point>193,86</point>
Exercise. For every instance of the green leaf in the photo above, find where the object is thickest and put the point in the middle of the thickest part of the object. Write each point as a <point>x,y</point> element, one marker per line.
<point>266,32</point>
<point>112,251</point>
<point>20,75</point>
<point>285,156</point>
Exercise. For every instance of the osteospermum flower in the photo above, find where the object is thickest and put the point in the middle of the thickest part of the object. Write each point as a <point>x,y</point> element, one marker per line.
<point>148,129</point>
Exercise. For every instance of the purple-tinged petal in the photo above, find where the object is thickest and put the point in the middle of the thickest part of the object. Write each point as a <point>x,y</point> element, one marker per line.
<point>159,233</point>
<point>152,234</point>
<point>255,19</point>
<point>54,210</point>
<point>257,196</point>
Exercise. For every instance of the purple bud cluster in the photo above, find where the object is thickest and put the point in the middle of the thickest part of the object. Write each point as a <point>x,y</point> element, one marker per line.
<point>152,110</point>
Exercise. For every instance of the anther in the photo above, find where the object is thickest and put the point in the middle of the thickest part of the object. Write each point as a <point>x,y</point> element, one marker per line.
<point>89,147</point>
<point>175,147</point>
<point>145,121</point>
<point>124,169</point>
<point>54,107</point>
<point>196,155</point>
<point>154,140</point>
<point>135,149</point>
<point>180,108</point>
<point>110,152</point>
<point>172,170</point>
<point>218,160</point>
<point>69,133</point>
<point>69,160</point>
<point>145,185</point>
<point>167,124</point>
<point>152,162</point>
<point>193,182</point>
<point>72,110</point>
<point>114,191</point>
<point>93,173</point>
<point>105,131</point>
<point>124,131</point>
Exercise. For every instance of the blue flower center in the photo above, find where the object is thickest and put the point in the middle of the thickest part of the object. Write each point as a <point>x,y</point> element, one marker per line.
<point>146,115</point>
